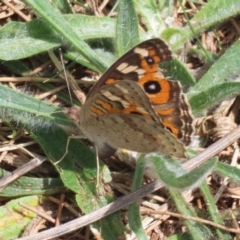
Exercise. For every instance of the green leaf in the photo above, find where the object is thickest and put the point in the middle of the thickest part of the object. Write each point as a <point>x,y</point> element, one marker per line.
<point>14,218</point>
<point>214,213</point>
<point>173,175</point>
<point>108,57</point>
<point>211,14</point>
<point>127,34</point>
<point>30,111</point>
<point>180,236</point>
<point>111,227</point>
<point>224,69</point>
<point>228,171</point>
<point>213,95</point>
<point>21,40</point>
<point>197,230</point>
<point>176,70</point>
<point>60,25</point>
<point>135,223</point>
<point>134,216</point>
<point>91,27</point>
<point>25,186</point>
<point>63,6</point>
<point>139,172</point>
<point>151,16</point>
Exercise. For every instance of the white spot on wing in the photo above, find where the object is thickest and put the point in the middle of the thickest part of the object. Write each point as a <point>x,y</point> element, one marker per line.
<point>152,86</point>
<point>122,66</point>
<point>100,108</point>
<point>140,71</point>
<point>129,69</point>
<point>143,110</point>
<point>115,98</point>
<point>141,51</point>
<point>124,90</point>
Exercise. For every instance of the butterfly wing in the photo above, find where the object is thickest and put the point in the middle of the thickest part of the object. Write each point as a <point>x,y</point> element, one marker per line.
<point>141,65</point>
<point>132,65</point>
<point>119,114</point>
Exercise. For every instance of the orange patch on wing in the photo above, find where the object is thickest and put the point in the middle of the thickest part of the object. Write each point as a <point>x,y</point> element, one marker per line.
<point>172,127</point>
<point>150,68</point>
<point>97,111</point>
<point>109,108</point>
<point>147,67</point>
<point>104,105</point>
<point>110,81</point>
<point>133,109</point>
<point>157,59</point>
<point>163,95</point>
<point>153,54</point>
<point>165,112</point>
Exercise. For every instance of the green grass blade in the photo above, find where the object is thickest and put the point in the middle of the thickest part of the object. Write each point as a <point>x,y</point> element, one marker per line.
<point>127,34</point>
<point>176,70</point>
<point>26,186</point>
<point>151,16</point>
<point>224,69</point>
<point>21,40</point>
<point>214,213</point>
<point>211,14</point>
<point>63,6</point>
<point>213,95</point>
<point>134,217</point>
<point>111,227</point>
<point>196,230</point>
<point>135,223</point>
<point>172,174</point>
<point>59,24</point>
<point>228,171</point>
<point>15,218</point>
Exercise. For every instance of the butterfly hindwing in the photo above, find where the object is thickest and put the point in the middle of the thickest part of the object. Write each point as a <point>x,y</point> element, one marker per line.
<point>123,113</point>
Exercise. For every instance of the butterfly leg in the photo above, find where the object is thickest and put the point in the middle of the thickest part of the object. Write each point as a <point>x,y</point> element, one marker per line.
<point>98,165</point>
<point>96,151</point>
<point>66,150</point>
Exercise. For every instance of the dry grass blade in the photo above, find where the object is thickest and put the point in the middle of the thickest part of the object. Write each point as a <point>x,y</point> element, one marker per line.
<point>4,181</point>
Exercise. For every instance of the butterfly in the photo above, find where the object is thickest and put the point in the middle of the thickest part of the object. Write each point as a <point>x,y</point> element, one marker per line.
<point>132,106</point>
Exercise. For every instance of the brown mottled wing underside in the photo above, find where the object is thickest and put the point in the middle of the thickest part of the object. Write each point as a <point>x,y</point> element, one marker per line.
<point>141,65</point>
<point>122,116</point>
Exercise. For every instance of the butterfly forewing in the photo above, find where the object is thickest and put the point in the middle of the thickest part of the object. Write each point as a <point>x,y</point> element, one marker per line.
<point>131,66</point>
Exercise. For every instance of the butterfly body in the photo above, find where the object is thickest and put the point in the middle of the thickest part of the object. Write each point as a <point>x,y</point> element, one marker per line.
<point>133,107</point>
